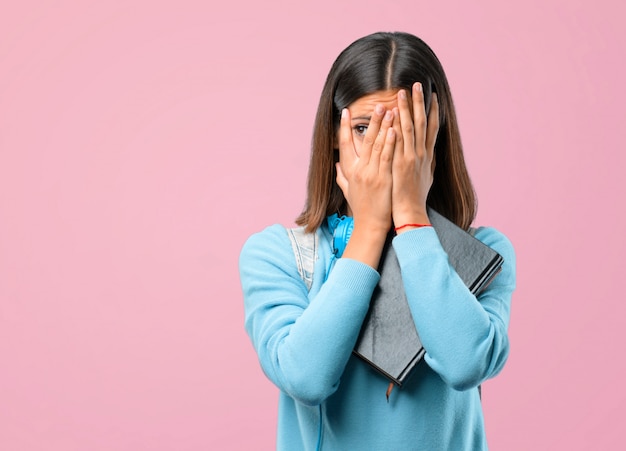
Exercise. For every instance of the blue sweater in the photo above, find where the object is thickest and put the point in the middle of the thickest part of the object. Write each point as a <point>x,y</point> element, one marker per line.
<point>330,399</point>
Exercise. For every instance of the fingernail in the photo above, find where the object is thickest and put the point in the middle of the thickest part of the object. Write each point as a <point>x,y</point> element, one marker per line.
<point>379,109</point>
<point>402,94</point>
<point>344,113</point>
<point>418,87</point>
<point>388,115</point>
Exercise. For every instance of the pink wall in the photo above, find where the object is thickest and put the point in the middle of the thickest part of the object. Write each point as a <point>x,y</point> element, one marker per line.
<point>142,142</point>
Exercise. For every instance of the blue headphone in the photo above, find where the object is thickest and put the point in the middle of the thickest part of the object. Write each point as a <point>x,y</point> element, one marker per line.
<point>341,228</point>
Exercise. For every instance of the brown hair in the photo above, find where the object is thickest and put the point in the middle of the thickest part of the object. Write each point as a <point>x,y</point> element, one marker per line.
<point>378,62</point>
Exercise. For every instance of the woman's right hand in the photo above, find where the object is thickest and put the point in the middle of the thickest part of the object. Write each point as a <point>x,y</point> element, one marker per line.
<point>366,181</point>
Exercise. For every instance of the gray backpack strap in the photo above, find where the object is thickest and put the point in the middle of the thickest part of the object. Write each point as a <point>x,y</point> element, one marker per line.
<point>305,251</point>
<point>472,231</point>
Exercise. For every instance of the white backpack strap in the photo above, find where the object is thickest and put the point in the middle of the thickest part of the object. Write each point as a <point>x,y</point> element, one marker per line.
<point>305,251</point>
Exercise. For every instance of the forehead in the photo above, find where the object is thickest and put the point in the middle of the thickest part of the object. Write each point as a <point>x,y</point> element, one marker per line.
<point>366,104</point>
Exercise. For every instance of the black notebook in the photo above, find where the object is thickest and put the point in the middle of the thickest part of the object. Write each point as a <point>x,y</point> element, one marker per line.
<point>388,340</point>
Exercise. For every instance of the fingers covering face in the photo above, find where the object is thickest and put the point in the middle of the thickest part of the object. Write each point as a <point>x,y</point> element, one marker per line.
<point>382,150</point>
<point>364,136</point>
<point>416,132</point>
<point>433,122</point>
<point>406,128</point>
<point>419,113</point>
<point>372,144</point>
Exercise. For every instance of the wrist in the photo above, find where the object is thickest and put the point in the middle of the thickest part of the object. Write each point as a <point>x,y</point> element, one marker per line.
<point>410,215</point>
<point>372,227</point>
<point>366,245</point>
<point>410,226</point>
<point>415,218</point>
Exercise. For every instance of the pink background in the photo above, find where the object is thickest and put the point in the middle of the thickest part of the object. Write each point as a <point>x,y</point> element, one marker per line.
<point>142,142</point>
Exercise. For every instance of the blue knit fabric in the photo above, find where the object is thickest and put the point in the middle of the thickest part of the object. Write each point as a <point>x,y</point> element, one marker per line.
<point>331,400</point>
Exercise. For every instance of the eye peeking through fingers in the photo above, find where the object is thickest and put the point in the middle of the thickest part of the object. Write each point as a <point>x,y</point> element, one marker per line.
<point>360,130</point>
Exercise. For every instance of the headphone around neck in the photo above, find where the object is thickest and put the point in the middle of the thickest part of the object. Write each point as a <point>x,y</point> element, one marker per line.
<point>341,228</point>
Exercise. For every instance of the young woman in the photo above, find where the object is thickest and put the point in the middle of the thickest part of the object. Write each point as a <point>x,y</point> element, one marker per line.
<point>386,144</point>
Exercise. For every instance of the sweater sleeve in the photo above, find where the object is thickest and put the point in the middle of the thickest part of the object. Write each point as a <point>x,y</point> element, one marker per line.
<point>303,345</point>
<point>465,337</point>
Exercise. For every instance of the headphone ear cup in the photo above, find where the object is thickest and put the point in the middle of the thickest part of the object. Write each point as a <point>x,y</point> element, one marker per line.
<point>342,234</point>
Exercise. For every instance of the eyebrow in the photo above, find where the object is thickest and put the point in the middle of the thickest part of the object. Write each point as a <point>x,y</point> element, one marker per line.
<point>360,118</point>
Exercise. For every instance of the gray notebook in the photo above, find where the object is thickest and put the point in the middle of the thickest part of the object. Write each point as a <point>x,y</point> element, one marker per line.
<point>388,340</point>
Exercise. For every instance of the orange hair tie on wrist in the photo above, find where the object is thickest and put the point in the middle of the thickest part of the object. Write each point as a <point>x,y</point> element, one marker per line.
<point>412,225</point>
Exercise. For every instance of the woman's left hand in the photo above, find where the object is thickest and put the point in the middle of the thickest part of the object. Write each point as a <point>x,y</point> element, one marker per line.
<point>413,161</point>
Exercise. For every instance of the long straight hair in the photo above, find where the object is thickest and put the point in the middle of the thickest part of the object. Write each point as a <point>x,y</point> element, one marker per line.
<point>378,62</point>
